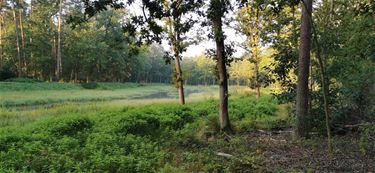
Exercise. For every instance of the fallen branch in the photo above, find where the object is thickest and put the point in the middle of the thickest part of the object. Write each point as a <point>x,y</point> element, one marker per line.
<point>358,125</point>
<point>224,155</point>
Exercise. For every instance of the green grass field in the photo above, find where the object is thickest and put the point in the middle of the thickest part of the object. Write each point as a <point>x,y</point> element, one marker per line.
<point>56,127</point>
<point>110,127</point>
<point>13,94</point>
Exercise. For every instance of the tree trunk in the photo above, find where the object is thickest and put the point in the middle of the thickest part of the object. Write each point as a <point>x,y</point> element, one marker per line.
<point>174,38</point>
<point>1,36</point>
<point>23,54</point>
<point>54,57</point>
<point>58,61</point>
<point>30,33</point>
<point>303,71</point>
<point>221,66</point>
<point>17,40</point>
<point>179,80</point>
<point>257,85</point>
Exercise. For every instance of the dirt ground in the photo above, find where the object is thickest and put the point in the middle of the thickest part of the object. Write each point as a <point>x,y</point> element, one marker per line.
<point>281,153</point>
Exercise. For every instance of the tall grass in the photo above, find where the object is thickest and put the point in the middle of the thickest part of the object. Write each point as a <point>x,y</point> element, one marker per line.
<point>115,138</point>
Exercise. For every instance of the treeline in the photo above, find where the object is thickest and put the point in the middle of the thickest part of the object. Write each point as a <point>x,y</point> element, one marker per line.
<point>37,42</point>
<point>321,53</point>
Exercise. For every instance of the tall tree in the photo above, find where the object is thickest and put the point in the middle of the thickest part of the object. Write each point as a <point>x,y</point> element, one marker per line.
<point>250,18</point>
<point>178,24</point>
<point>1,33</point>
<point>16,26</point>
<point>303,70</point>
<point>216,11</point>
<point>174,38</point>
<point>58,59</point>
<point>22,34</point>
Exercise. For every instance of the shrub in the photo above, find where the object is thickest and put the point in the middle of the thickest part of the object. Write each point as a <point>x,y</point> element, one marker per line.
<point>138,124</point>
<point>71,126</point>
<point>6,73</point>
<point>90,85</point>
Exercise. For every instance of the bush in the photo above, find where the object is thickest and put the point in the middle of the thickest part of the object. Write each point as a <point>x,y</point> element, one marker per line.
<point>138,124</point>
<point>90,85</point>
<point>71,127</point>
<point>6,73</point>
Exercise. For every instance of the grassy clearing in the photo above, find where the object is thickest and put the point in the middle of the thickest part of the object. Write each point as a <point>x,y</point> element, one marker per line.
<point>27,94</point>
<point>22,107</point>
<point>128,136</point>
<point>18,94</point>
<point>131,138</point>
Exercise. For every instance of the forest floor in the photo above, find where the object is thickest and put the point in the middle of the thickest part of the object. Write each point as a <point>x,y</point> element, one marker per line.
<point>279,151</point>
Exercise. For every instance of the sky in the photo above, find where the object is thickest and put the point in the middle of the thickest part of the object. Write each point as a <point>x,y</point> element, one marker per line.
<point>200,48</point>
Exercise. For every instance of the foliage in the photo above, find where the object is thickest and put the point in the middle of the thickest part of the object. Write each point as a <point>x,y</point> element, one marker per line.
<point>133,139</point>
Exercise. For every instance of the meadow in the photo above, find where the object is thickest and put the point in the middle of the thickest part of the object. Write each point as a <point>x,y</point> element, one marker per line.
<point>119,128</point>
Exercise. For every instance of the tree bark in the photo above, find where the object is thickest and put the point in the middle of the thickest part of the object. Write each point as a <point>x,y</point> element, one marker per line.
<point>1,36</point>
<point>179,80</point>
<point>302,125</point>
<point>221,66</point>
<point>58,61</point>
<point>23,54</point>
<point>17,40</point>
<point>175,40</point>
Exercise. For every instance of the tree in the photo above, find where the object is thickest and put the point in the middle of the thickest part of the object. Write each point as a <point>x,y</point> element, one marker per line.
<point>16,24</point>
<point>217,9</point>
<point>303,70</point>
<point>250,18</point>
<point>58,59</point>
<point>178,24</point>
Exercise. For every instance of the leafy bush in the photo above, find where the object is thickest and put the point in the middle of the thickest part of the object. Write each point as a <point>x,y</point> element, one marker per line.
<point>70,126</point>
<point>6,73</point>
<point>90,85</point>
<point>138,124</point>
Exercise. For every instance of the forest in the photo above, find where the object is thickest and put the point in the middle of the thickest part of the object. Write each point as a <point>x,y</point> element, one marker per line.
<point>187,86</point>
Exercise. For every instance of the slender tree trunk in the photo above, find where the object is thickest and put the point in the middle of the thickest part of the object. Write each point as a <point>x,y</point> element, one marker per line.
<point>303,71</point>
<point>257,85</point>
<point>221,65</point>
<point>324,79</point>
<point>17,40</point>
<point>23,54</point>
<point>58,62</point>
<point>54,57</point>
<point>30,34</point>
<point>179,79</point>
<point>175,41</point>
<point>1,35</point>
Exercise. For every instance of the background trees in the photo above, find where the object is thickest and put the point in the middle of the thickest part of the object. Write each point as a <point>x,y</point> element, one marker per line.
<point>115,45</point>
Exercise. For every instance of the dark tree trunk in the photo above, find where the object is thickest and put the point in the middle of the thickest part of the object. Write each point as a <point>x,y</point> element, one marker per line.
<point>17,40</point>
<point>1,36</point>
<point>59,62</point>
<point>179,80</point>
<point>221,66</point>
<point>20,15</point>
<point>303,71</point>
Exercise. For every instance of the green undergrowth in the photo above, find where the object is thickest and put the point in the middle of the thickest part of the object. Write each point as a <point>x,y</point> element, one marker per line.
<point>154,138</point>
<point>31,85</point>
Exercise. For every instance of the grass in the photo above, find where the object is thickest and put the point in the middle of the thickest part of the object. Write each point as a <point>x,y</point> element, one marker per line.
<point>113,138</point>
<point>159,135</point>
<point>17,94</point>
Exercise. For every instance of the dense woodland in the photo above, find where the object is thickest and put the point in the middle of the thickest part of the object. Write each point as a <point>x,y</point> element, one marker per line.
<point>318,56</point>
